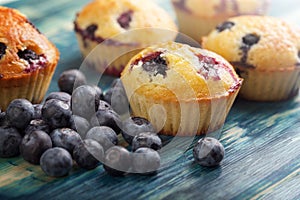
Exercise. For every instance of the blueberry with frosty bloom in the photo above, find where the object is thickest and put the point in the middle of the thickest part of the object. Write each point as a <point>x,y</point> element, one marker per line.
<point>117,161</point>
<point>56,162</point>
<point>208,152</point>
<point>33,145</point>
<point>56,113</point>
<point>10,139</point>
<point>85,101</point>
<point>65,138</point>
<point>104,135</point>
<point>19,113</point>
<point>88,154</point>
<point>70,80</point>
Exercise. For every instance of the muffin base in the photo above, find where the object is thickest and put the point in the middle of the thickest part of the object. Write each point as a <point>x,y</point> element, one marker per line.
<point>32,86</point>
<point>269,85</point>
<point>186,118</point>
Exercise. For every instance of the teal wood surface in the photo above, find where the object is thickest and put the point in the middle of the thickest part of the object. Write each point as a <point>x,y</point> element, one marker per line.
<point>261,140</point>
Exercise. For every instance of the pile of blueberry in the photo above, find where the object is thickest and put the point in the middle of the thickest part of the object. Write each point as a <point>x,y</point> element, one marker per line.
<point>80,125</point>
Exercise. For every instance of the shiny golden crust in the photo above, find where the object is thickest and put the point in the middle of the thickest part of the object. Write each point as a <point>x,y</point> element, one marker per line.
<point>277,48</point>
<point>224,8</point>
<point>104,14</point>
<point>182,80</point>
<point>17,33</point>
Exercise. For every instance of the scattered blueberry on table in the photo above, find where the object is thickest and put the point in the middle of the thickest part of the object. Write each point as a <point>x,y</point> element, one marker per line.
<point>208,152</point>
<point>56,162</point>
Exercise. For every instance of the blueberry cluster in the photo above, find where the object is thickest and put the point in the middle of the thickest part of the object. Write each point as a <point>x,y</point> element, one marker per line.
<point>79,124</point>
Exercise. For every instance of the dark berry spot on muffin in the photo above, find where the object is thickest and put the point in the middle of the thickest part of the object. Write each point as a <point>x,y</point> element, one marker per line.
<point>153,63</point>
<point>34,60</point>
<point>247,42</point>
<point>90,30</point>
<point>250,39</point>
<point>2,49</point>
<point>224,26</point>
<point>208,67</point>
<point>181,4</point>
<point>125,18</point>
<point>27,54</point>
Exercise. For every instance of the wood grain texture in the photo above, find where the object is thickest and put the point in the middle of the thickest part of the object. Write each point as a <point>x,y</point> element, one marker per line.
<point>262,140</point>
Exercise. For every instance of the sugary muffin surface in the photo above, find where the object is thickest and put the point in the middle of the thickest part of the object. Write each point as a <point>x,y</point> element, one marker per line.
<point>22,47</point>
<point>172,71</point>
<point>258,42</point>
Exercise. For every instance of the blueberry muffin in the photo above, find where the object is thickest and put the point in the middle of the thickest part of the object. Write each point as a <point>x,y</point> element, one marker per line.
<point>119,29</point>
<point>27,59</point>
<point>264,52</point>
<point>180,89</point>
<point>196,18</point>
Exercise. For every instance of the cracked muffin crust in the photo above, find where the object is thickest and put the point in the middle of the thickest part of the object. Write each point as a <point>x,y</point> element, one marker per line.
<point>27,59</point>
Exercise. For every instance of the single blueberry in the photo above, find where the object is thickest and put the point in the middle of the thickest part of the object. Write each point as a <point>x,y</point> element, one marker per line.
<point>135,125</point>
<point>33,145</point>
<point>10,139</point>
<point>3,48</point>
<point>65,138</point>
<point>145,161</point>
<point>28,55</point>
<point>116,97</point>
<point>62,96</point>
<point>37,111</point>
<point>104,135</point>
<point>85,101</point>
<point>56,113</point>
<point>208,152</point>
<point>80,125</point>
<point>88,154</point>
<point>117,161</point>
<point>37,125</point>
<point>107,118</point>
<point>19,113</point>
<point>56,162</point>
<point>70,80</point>
<point>225,25</point>
<point>90,31</point>
<point>146,139</point>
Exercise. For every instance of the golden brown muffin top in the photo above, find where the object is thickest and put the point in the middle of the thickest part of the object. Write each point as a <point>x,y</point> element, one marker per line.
<point>108,18</point>
<point>22,47</point>
<point>174,71</point>
<point>211,8</point>
<point>260,42</point>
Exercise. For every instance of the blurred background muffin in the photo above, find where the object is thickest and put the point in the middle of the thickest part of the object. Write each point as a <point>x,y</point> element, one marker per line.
<point>122,28</point>
<point>265,53</point>
<point>196,18</point>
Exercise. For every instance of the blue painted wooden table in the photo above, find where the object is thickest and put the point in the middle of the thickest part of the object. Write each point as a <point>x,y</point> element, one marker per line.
<point>262,140</point>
